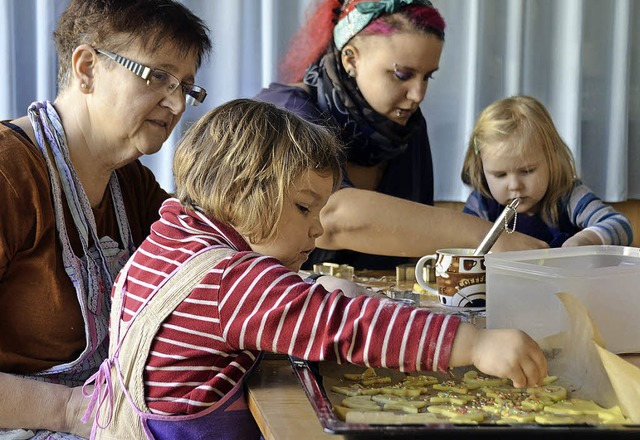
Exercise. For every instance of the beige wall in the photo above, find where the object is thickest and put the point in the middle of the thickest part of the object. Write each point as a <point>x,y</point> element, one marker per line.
<point>629,208</point>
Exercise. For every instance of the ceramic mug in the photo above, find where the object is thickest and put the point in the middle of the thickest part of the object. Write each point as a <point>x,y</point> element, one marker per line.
<point>460,277</point>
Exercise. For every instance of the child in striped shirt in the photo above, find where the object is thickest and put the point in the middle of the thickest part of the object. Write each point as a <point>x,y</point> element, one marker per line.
<point>516,151</point>
<point>251,180</point>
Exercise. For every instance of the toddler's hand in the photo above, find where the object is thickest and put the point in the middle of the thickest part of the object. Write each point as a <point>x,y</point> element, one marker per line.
<point>585,237</point>
<point>512,354</point>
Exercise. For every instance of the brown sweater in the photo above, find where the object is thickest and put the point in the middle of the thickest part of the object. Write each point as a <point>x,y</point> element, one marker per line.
<point>40,320</point>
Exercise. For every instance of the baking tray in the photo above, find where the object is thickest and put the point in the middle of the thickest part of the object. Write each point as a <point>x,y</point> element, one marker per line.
<point>308,374</point>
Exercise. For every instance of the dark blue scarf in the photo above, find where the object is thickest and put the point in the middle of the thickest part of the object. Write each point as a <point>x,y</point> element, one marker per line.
<point>369,137</point>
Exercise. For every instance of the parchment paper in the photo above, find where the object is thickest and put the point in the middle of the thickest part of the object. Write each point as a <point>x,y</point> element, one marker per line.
<point>596,373</point>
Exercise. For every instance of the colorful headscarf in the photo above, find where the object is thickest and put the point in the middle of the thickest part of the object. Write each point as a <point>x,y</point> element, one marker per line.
<point>356,15</point>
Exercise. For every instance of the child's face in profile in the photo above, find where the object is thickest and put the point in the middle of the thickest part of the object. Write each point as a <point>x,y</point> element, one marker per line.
<point>514,176</point>
<point>299,225</point>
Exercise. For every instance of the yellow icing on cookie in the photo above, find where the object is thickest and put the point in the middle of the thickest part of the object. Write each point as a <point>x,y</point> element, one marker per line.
<point>370,391</point>
<point>399,406</point>
<point>472,380</point>
<point>504,392</point>
<point>450,385</point>
<point>554,392</point>
<point>575,406</point>
<point>361,402</point>
<point>375,380</point>
<point>458,414</point>
<point>536,402</point>
<point>389,418</point>
<point>386,398</point>
<point>400,391</point>
<point>420,381</point>
<point>515,415</point>
<point>368,373</point>
<point>449,397</point>
<point>587,407</point>
<point>341,411</point>
<point>553,419</point>
<point>347,391</point>
<point>614,415</point>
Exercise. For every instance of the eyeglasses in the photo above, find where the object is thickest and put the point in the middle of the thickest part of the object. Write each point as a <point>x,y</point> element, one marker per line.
<point>159,79</point>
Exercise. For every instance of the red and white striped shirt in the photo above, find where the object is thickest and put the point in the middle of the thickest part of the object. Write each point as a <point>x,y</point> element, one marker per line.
<point>249,303</point>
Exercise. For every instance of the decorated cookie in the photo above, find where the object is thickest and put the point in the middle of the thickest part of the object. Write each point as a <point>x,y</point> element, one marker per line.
<point>361,403</point>
<point>472,399</point>
<point>347,391</point>
<point>420,381</point>
<point>385,398</point>
<point>553,392</point>
<point>554,419</point>
<point>454,398</point>
<point>451,385</point>
<point>587,407</point>
<point>458,414</point>
<point>472,380</point>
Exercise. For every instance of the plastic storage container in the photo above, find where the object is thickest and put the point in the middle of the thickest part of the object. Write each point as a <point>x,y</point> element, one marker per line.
<point>521,288</point>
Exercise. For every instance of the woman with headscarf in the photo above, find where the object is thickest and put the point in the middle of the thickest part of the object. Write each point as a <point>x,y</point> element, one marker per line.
<point>363,67</point>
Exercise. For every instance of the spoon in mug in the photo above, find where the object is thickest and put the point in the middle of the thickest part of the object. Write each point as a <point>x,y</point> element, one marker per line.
<point>500,225</point>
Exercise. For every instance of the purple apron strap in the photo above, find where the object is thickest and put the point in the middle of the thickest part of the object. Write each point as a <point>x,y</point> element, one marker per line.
<point>232,420</point>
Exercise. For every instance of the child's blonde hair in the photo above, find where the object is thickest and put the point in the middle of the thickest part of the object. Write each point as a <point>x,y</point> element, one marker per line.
<point>514,126</point>
<point>238,160</point>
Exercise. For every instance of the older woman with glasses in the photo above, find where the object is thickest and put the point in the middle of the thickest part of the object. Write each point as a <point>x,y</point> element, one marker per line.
<point>76,201</point>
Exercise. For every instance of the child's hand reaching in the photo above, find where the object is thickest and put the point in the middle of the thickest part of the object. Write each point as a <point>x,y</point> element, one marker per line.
<point>585,237</point>
<point>349,288</point>
<point>506,353</point>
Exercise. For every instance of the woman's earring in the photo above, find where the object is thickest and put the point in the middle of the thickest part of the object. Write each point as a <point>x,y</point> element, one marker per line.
<point>83,85</point>
<point>351,73</point>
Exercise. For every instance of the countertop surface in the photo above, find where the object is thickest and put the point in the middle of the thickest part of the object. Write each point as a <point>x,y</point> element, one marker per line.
<point>279,404</point>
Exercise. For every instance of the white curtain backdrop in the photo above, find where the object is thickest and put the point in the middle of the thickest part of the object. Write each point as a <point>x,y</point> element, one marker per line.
<point>581,58</point>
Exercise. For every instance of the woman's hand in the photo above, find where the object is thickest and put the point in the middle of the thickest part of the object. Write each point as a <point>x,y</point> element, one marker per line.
<point>75,409</point>
<point>517,242</point>
<point>30,404</point>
